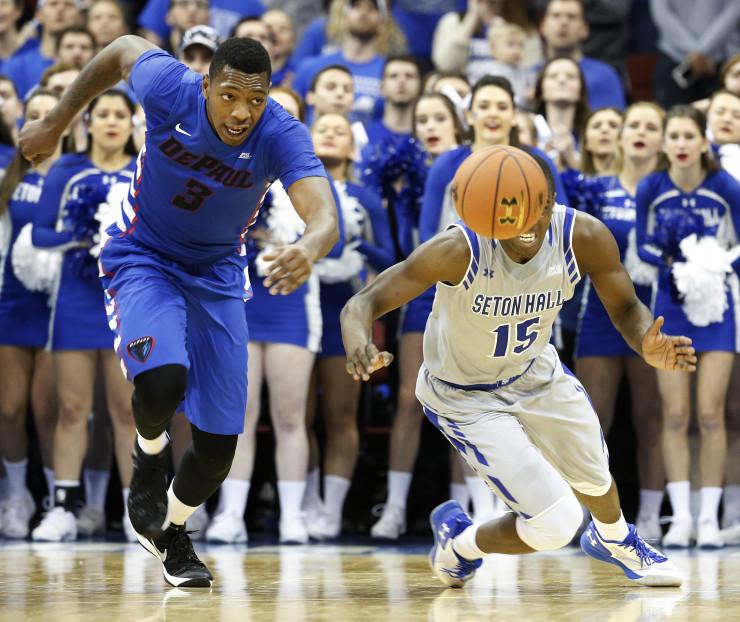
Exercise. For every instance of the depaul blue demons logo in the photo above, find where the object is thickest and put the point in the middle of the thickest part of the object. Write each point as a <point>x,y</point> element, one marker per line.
<point>140,349</point>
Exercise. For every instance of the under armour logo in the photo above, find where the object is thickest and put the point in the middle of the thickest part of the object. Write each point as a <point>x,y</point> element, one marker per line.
<point>245,156</point>
<point>591,538</point>
<point>488,273</point>
<point>443,530</point>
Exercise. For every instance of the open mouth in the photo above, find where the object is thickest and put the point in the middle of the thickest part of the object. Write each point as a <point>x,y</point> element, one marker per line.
<point>493,126</point>
<point>682,157</point>
<point>638,144</point>
<point>235,132</point>
<point>527,238</point>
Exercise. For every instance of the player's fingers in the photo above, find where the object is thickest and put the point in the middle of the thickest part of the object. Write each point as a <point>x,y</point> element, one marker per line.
<point>656,326</point>
<point>351,369</point>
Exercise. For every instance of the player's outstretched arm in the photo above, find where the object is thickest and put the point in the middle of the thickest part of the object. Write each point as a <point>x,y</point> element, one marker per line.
<point>290,266</point>
<point>443,258</point>
<point>597,255</point>
<point>38,139</point>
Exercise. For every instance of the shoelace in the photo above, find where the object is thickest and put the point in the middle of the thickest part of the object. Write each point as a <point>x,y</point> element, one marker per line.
<point>648,555</point>
<point>180,550</point>
<point>462,569</point>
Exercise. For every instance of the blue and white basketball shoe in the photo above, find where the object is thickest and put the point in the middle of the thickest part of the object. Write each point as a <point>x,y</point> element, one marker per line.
<point>639,561</point>
<point>449,520</point>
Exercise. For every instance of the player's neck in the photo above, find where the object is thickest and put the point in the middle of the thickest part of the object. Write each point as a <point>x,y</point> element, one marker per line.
<point>108,160</point>
<point>687,179</point>
<point>398,118</point>
<point>633,171</point>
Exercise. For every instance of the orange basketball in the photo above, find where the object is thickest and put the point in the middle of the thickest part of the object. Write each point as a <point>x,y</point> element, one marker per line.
<point>500,192</point>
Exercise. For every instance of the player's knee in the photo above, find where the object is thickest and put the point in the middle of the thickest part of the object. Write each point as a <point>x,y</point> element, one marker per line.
<point>159,391</point>
<point>215,452</point>
<point>554,528</point>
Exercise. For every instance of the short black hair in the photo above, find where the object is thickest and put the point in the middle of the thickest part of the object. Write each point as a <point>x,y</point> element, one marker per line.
<point>243,54</point>
<point>76,29</point>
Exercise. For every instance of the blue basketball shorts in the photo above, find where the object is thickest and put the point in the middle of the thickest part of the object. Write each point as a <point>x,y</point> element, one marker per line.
<point>163,312</point>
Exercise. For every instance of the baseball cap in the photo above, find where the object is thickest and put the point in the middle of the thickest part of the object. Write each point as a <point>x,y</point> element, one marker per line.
<point>200,35</point>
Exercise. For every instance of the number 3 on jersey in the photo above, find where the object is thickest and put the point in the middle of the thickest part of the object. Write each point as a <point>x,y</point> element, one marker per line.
<point>525,333</point>
<point>193,197</point>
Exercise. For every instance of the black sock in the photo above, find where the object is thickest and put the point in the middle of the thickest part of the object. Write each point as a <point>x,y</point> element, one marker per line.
<point>66,496</point>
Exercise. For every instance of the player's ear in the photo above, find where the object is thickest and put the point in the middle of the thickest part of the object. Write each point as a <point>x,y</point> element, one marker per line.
<point>205,84</point>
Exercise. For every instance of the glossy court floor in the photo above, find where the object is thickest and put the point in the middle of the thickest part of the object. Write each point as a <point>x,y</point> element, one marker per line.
<point>111,582</point>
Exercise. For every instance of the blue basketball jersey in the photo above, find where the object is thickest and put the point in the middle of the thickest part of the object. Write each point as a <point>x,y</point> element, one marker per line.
<point>193,197</point>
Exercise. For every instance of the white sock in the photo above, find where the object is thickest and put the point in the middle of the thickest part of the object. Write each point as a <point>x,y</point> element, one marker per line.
<point>679,494</point>
<point>124,494</point>
<point>710,497</point>
<point>695,504</point>
<point>399,483</point>
<point>481,497</point>
<point>152,446</point>
<point>49,476</point>
<point>233,499</point>
<point>650,502</point>
<point>177,511</point>
<point>335,492</point>
<point>290,494</point>
<point>16,474</point>
<point>465,546</point>
<point>613,531</point>
<point>96,485</point>
<point>312,496</point>
<point>461,494</point>
<point>731,512</point>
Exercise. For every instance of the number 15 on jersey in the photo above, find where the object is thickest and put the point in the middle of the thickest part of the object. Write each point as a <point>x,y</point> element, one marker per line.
<point>515,338</point>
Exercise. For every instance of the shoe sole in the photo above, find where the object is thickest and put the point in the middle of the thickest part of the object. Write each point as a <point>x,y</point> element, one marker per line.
<point>654,580</point>
<point>172,580</point>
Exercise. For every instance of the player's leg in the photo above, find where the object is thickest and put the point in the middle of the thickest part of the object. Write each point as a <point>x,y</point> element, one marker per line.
<point>601,376</point>
<point>228,525</point>
<point>713,378</point>
<point>287,373</point>
<point>675,398</point>
<point>118,399</point>
<point>44,409</point>
<point>404,438</point>
<point>646,417</point>
<point>459,470</point>
<point>75,376</point>
<point>340,396</point>
<point>731,500</point>
<point>16,372</point>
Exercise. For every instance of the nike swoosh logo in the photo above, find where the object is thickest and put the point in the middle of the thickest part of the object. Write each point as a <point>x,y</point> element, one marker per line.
<point>182,131</point>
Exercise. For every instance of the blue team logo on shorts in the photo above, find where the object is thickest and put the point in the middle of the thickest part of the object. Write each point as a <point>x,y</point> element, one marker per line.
<point>140,348</point>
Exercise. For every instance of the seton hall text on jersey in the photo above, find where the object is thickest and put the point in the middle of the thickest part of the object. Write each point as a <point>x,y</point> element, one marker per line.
<point>207,165</point>
<point>519,305</point>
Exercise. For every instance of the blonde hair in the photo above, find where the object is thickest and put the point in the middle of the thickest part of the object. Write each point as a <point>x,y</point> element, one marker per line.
<point>390,38</point>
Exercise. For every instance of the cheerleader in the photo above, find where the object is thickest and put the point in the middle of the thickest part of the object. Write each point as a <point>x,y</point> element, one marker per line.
<point>603,358</point>
<point>687,218</point>
<point>75,202</point>
<point>26,372</point>
<point>368,241</point>
<point>284,336</point>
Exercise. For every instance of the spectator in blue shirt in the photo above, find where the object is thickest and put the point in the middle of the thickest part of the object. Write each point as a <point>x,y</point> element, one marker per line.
<point>282,28</point>
<point>564,29</point>
<point>10,40</point>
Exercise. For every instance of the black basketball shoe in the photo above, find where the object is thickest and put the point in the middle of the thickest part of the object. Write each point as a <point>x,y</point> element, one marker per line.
<point>180,565</point>
<point>147,499</point>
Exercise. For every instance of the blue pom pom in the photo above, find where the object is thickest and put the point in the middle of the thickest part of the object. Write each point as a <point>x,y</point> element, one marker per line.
<point>79,219</point>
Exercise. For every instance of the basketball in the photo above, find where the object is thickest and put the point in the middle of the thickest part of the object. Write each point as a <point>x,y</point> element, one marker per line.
<point>500,192</point>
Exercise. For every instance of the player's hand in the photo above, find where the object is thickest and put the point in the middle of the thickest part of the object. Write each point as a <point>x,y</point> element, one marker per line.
<point>288,267</point>
<point>365,360</point>
<point>37,140</point>
<point>666,352</point>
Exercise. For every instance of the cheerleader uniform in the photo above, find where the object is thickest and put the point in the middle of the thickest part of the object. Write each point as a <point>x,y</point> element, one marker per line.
<point>73,190</point>
<point>715,206</point>
<point>615,207</point>
<point>293,319</point>
<point>368,235</point>
<point>24,314</point>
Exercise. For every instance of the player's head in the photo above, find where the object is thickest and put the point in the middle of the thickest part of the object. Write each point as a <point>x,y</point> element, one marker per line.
<point>600,141</point>
<point>723,117</point>
<point>236,88</point>
<point>492,114</point>
<point>333,141</point>
<point>641,137</point>
<point>526,245</point>
<point>332,90</point>
<point>110,121</point>
<point>436,124</point>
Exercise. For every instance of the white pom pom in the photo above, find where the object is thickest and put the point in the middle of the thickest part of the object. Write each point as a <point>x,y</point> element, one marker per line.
<point>348,266</point>
<point>37,269</point>
<point>640,272</point>
<point>107,213</point>
<point>283,221</point>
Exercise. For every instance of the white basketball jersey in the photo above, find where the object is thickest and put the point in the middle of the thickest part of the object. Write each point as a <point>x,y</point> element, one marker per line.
<point>492,325</point>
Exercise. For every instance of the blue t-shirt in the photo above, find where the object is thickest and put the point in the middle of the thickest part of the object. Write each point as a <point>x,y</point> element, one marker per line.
<point>603,84</point>
<point>367,78</point>
<point>224,15</point>
<point>313,42</point>
<point>418,20</point>
<point>25,69</point>
<point>193,197</point>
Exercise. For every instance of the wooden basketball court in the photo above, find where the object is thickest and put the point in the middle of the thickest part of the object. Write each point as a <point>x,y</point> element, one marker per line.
<point>111,582</point>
